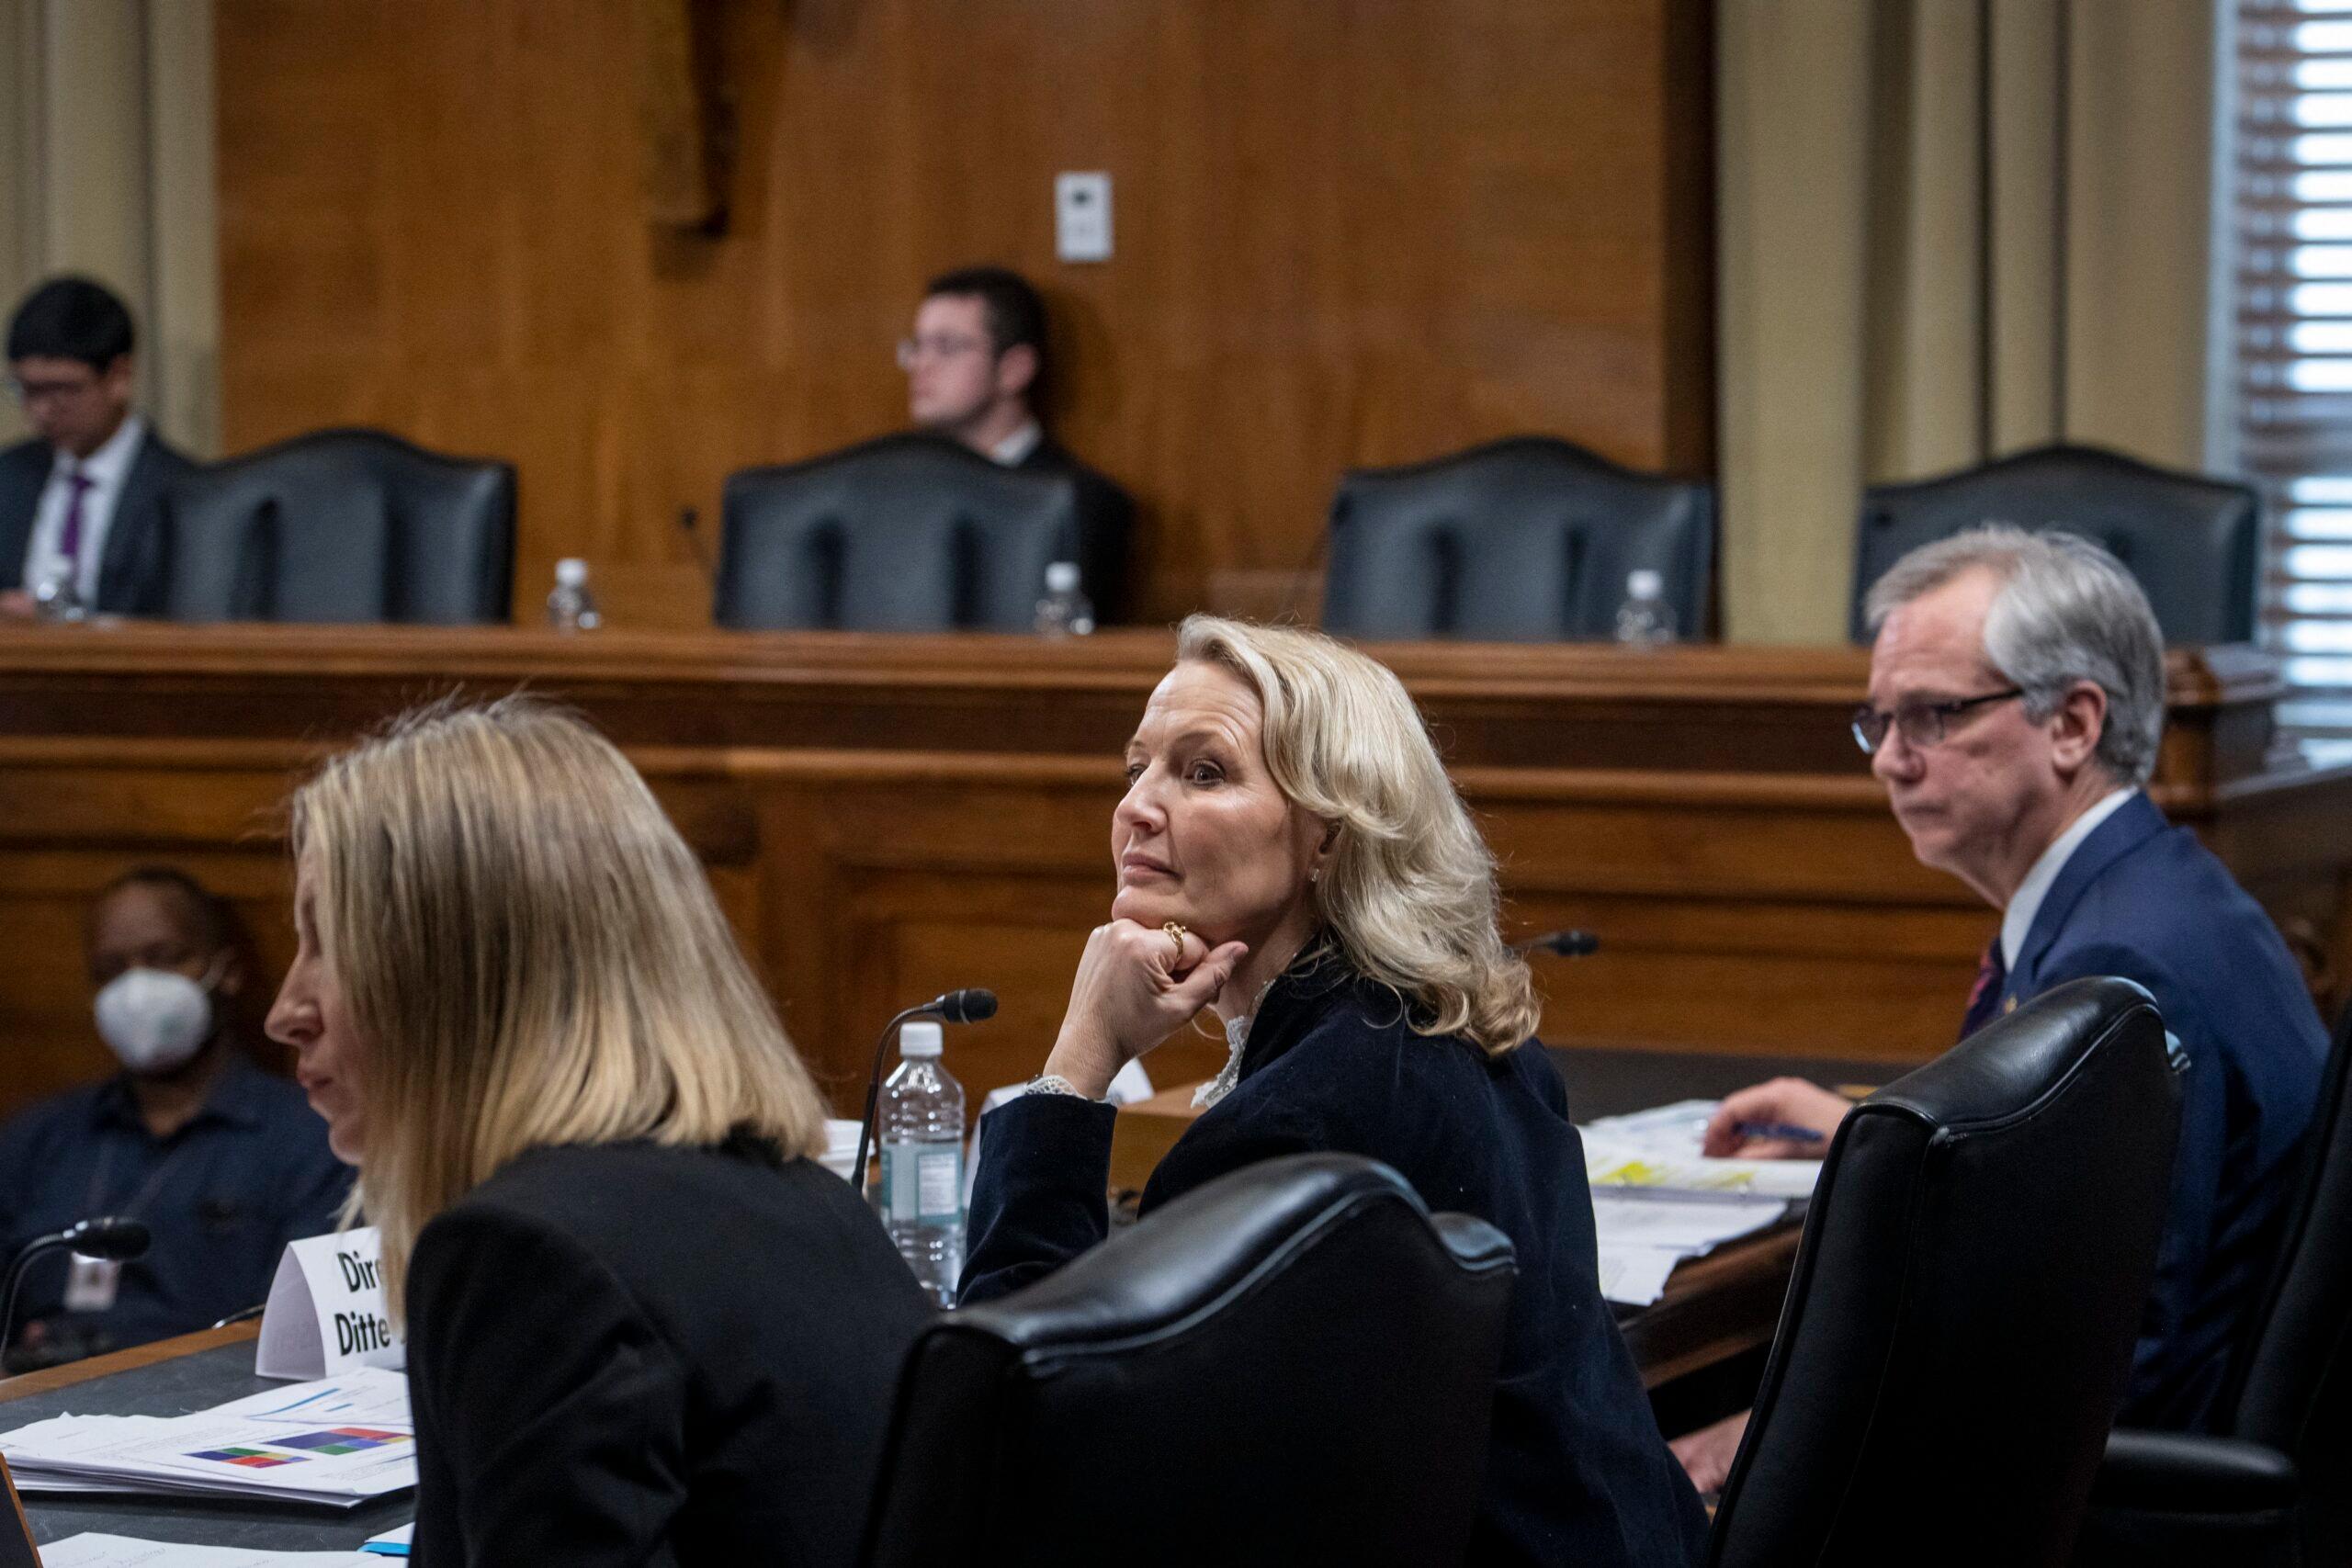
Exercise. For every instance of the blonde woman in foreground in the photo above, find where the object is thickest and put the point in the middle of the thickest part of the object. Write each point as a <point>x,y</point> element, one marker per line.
<point>643,1325</point>
<point>1291,851</point>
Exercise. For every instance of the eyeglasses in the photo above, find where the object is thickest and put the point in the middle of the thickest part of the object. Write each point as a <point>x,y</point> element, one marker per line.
<point>1919,723</point>
<point>31,392</point>
<point>937,347</point>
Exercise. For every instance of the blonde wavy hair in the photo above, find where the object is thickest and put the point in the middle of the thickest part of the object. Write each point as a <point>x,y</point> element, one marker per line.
<point>1409,892</point>
<point>529,955</point>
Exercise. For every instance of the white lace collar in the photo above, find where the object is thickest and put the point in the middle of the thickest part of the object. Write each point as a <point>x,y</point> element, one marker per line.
<point>1237,1040</point>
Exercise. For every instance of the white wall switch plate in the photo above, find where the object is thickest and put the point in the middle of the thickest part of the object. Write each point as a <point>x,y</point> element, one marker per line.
<point>1082,217</point>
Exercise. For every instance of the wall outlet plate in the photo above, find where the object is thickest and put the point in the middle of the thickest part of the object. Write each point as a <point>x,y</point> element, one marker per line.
<point>1082,216</point>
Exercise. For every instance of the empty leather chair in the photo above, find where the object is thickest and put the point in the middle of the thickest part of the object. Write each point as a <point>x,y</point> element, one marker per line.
<point>1295,1363</point>
<point>340,526</point>
<point>1528,540</point>
<point>909,533</point>
<point>2271,1486</point>
<point>1971,1276</point>
<point>2191,540</point>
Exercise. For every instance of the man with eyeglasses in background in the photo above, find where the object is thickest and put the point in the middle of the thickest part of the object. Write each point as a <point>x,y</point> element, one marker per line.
<point>2017,698</point>
<point>976,372</point>
<point>81,503</point>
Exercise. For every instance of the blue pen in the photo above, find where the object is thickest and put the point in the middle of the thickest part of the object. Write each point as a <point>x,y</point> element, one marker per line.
<point>1786,1131</point>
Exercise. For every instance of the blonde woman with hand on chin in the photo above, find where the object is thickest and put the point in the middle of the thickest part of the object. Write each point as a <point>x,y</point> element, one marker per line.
<point>1291,853</point>
<point>644,1326</point>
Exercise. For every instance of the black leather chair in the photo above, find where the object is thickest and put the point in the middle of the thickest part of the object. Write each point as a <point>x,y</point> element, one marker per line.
<point>909,533</point>
<point>1528,540</point>
<point>2190,539</point>
<point>1971,1280</point>
<point>340,526</point>
<point>1295,1363</point>
<point>2272,1487</point>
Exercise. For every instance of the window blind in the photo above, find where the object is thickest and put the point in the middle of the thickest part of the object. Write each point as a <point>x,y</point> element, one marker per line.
<point>2293,261</point>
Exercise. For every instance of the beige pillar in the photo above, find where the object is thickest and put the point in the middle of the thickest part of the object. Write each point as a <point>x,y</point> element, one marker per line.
<point>106,169</point>
<point>1792,170</point>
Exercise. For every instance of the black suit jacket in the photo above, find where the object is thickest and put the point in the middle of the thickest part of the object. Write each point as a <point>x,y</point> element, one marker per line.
<point>1576,1473</point>
<point>629,1354</point>
<point>129,576</point>
<point>1105,517</point>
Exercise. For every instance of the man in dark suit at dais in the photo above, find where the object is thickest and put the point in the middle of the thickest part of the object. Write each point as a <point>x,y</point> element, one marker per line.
<point>81,503</point>
<point>976,368</point>
<point>2016,702</point>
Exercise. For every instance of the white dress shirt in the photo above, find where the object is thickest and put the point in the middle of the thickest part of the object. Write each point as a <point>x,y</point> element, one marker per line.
<point>2016,921</point>
<point>108,469</point>
<point>1015,448</point>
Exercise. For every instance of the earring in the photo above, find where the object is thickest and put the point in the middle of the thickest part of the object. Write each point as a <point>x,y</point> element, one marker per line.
<point>1315,874</point>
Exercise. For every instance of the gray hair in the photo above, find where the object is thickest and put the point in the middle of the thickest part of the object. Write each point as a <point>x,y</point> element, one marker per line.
<point>2067,611</point>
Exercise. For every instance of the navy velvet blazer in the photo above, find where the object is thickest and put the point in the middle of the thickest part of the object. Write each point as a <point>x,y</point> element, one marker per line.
<point>2143,899</point>
<point>128,578</point>
<point>1576,1470</point>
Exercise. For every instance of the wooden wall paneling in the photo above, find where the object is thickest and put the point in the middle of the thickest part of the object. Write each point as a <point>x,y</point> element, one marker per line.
<point>1348,234</point>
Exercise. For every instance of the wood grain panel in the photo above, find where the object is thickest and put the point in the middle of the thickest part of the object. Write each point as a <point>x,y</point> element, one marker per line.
<point>1348,233</point>
<point>884,818</point>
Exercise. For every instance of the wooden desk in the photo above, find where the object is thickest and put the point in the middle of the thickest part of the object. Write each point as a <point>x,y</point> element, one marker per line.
<point>885,817</point>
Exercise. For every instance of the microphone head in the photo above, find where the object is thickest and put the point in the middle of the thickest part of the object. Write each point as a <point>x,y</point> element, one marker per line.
<point>1564,945</point>
<point>115,1240</point>
<point>968,1006</point>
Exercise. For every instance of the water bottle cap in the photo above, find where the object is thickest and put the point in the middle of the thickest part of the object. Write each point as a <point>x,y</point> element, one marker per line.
<point>570,573</point>
<point>1062,577</point>
<point>921,1038</point>
<point>1643,584</point>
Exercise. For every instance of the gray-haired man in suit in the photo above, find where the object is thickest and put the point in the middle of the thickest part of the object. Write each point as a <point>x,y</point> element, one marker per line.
<point>81,503</point>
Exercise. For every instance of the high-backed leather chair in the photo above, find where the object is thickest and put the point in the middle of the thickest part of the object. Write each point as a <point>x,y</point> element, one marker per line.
<point>2271,1486</point>
<point>340,526</point>
<point>909,533</point>
<point>2190,540</point>
<point>1294,1363</point>
<point>1971,1280</point>
<point>1528,540</point>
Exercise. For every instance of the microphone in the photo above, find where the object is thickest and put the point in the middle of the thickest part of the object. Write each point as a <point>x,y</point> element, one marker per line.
<point>113,1238</point>
<point>969,1006</point>
<point>690,524</point>
<point>1564,945</point>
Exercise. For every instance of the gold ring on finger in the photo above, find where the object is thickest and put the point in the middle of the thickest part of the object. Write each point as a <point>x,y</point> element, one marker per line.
<point>1176,934</point>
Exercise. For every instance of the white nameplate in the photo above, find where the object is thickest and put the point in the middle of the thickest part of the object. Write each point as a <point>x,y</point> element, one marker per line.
<point>326,1310</point>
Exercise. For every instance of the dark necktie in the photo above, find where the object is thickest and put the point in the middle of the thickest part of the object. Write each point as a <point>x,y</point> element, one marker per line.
<point>69,538</point>
<point>1985,1002</point>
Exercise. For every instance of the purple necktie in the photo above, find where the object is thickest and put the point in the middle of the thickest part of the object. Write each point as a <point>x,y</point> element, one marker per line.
<point>69,538</point>
<point>1985,1002</point>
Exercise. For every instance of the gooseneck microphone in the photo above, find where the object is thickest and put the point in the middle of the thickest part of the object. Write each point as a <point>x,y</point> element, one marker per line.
<point>968,1006</point>
<point>690,526</point>
<point>114,1239</point>
<point>1563,944</point>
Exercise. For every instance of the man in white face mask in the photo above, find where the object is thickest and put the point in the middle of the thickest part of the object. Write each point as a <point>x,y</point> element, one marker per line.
<point>224,1163</point>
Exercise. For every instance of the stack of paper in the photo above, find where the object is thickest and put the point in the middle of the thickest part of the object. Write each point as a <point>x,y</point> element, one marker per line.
<point>1660,1149</point>
<point>1657,1201</point>
<point>122,1552</point>
<point>338,1442</point>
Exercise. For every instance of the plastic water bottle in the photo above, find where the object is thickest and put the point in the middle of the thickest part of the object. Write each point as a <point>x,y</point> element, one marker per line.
<point>571,608</point>
<point>923,1162</point>
<point>1644,620</point>
<point>1064,611</point>
<point>57,598</point>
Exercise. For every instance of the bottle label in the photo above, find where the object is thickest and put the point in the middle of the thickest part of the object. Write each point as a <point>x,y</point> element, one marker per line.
<point>923,1183</point>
